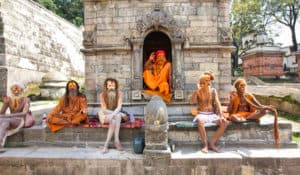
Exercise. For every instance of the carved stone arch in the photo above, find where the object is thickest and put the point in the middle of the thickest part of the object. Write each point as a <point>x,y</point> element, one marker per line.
<point>157,21</point>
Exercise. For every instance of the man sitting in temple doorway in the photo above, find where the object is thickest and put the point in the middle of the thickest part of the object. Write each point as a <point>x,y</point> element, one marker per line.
<point>208,111</point>
<point>111,104</point>
<point>71,109</point>
<point>157,75</point>
<point>19,108</point>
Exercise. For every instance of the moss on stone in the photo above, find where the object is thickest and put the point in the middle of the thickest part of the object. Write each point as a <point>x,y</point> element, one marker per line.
<point>292,117</point>
<point>32,89</point>
<point>296,138</point>
<point>287,98</point>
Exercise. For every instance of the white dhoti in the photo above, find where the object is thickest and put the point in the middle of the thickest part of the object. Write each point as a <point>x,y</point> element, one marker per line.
<point>105,115</point>
<point>207,117</point>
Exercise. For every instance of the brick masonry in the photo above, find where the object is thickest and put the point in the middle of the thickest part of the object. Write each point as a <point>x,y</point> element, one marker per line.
<point>262,62</point>
<point>34,40</point>
<point>114,36</point>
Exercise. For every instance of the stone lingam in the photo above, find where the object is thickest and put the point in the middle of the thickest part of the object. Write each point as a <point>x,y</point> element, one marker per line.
<point>156,124</point>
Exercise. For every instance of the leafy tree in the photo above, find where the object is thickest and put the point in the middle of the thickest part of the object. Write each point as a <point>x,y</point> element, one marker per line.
<point>71,10</point>
<point>285,12</point>
<point>49,4</point>
<point>246,16</point>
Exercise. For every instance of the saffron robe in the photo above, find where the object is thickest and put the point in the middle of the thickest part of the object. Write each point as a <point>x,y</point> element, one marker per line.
<point>158,82</point>
<point>235,107</point>
<point>73,113</point>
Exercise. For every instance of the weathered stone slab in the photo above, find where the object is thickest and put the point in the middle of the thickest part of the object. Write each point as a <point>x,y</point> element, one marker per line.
<point>186,160</point>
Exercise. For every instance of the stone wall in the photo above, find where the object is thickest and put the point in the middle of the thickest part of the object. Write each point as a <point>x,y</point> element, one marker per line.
<point>114,36</point>
<point>298,61</point>
<point>35,41</point>
<point>78,161</point>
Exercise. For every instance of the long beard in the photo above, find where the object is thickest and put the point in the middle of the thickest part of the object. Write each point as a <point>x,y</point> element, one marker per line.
<point>73,93</point>
<point>111,99</point>
<point>16,102</point>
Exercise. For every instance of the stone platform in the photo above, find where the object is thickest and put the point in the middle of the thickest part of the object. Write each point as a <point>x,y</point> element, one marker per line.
<point>247,149</point>
<point>250,135</point>
<point>185,161</point>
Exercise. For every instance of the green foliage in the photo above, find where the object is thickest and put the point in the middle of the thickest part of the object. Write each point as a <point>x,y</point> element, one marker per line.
<point>290,99</point>
<point>285,12</point>
<point>287,98</point>
<point>246,17</point>
<point>49,4</point>
<point>288,116</point>
<point>256,16</point>
<point>296,138</point>
<point>71,10</point>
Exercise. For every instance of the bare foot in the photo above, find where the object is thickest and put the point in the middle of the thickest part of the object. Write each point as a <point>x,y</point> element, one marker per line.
<point>214,148</point>
<point>119,146</point>
<point>105,150</point>
<point>205,149</point>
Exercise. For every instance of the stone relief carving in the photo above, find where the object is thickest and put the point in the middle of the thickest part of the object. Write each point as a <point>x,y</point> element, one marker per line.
<point>3,79</point>
<point>158,20</point>
<point>224,35</point>
<point>90,37</point>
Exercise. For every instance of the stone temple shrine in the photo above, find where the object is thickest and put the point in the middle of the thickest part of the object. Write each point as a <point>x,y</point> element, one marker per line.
<point>120,35</point>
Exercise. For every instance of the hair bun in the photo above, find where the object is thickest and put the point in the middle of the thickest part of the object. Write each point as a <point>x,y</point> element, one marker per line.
<point>210,74</point>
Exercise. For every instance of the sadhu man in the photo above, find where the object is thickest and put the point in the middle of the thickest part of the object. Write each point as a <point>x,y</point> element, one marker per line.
<point>157,75</point>
<point>208,111</point>
<point>243,106</point>
<point>71,110</point>
<point>19,108</point>
<point>111,104</point>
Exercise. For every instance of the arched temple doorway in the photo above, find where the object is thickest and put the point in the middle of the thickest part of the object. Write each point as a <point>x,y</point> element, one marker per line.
<point>158,80</point>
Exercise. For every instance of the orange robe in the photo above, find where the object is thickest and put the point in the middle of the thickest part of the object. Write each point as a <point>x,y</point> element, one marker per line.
<point>235,107</point>
<point>72,113</point>
<point>159,82</point>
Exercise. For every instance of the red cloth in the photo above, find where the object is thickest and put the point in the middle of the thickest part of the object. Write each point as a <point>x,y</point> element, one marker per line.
<point>93,122</point>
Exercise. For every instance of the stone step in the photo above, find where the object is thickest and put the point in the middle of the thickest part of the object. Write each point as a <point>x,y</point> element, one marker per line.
<point>185,160</point>
<point>68,137</point>
<point>250,134</point>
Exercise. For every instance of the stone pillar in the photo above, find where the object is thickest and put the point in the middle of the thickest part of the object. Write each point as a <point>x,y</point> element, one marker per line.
<point>178,78</point>
<point>137,68</point>
<point>3,80</point>
<point>298,61</point>
<point>157,154</point>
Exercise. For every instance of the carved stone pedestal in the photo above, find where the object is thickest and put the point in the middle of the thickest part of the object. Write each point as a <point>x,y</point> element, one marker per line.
<point>157,154</point>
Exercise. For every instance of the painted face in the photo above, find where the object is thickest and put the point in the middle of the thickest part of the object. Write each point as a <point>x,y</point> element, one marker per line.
<point>161,58</point>
<point>72,87</point>
<point>241,87</point>
<point>203,84</point>
<point>16,90</point>
<point>111,85</point>
<point>204,81</point>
